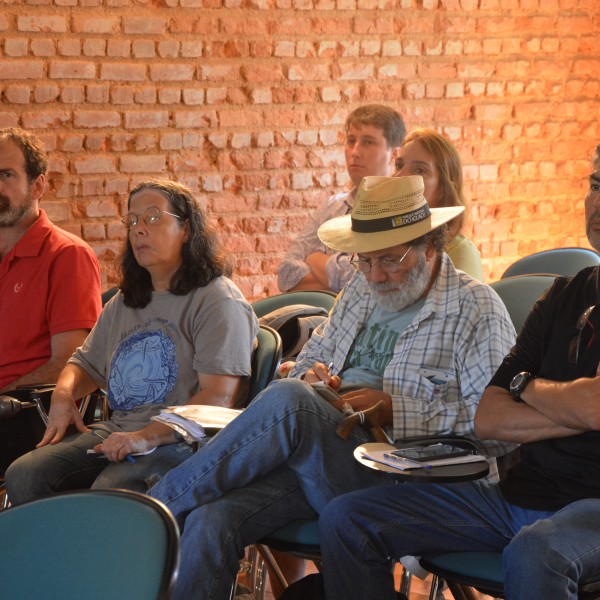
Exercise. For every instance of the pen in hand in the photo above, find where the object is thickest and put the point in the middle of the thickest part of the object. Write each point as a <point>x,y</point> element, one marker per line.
<point>334,379</point>
<point>128,457</point>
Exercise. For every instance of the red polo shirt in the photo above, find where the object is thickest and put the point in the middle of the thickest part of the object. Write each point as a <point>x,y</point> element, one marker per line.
<point>49,283</point>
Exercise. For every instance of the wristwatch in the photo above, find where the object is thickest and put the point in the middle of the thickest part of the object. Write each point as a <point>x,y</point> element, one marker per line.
<point>518,384</point>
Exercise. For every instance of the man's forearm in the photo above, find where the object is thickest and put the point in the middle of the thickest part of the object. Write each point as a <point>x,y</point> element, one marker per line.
<point>46,373</point>
<point>62,345</point>
<point>572,404</point>
<point>317,262</point>
<point>308,282</point>
<point>499,417</point>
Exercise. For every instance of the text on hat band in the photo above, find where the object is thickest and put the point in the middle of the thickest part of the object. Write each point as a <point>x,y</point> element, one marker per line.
<point>392,222</point>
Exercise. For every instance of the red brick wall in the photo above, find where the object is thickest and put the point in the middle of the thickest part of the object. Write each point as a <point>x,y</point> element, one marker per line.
<point>244,101</point>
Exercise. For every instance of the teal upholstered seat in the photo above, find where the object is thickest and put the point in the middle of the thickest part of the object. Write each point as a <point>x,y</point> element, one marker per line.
<point>558,261</point>
<point>93,544</point>
<point>482,571</point>
<point>311,297</point>
<point>520,293</point>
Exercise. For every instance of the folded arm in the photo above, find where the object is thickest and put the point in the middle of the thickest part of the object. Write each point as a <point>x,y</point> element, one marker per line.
<point>547,411</point>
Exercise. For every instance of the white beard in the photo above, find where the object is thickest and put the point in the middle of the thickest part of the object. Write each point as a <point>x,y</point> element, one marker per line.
<point>406,293</point>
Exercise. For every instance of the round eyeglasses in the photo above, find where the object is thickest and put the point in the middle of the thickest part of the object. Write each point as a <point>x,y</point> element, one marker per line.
<point>151,216</point>
<point>389,265</point>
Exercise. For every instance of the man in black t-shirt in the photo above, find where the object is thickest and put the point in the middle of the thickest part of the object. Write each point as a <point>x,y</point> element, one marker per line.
<point>545,515</point>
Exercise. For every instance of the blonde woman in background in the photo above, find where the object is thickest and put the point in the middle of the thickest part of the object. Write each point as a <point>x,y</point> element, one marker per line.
<point>425,152</point>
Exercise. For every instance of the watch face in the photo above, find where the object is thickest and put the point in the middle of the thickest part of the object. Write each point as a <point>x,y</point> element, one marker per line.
<point>517,381</point>
<point>517,385</point>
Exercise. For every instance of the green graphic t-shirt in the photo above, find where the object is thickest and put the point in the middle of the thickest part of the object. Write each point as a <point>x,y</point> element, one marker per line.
<point>374,346</point>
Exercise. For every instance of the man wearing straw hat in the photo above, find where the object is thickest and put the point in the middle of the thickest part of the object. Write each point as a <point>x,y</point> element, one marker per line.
<point>544,516</point>
<point>408,330</point>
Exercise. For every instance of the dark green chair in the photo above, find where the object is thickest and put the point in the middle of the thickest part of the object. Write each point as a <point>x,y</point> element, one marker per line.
<point>483,571</point>
<point>24,416</point>
<point>108,294</point>
<point>520,293</point>
<point>558,261</point>
<point>52,548</point>
<point>321,298</point>
<point>265,361</point>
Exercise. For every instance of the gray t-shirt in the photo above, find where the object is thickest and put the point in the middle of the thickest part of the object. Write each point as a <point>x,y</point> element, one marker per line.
<point>149,358</point>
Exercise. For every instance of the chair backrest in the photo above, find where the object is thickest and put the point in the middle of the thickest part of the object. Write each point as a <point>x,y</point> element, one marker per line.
<point>108,294</point>
<point>265,361</point>
<point>520,293</point>
<point>93,544</point>
<point>559,261</point>
<point>321,298</point>
<point>24,416</point>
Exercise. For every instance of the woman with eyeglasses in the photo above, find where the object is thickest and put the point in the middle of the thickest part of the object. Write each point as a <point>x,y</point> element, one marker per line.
<point>425,152</point>
<point>178,332</point>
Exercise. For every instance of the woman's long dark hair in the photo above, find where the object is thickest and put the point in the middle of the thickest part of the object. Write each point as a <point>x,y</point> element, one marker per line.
<point>202,258</point>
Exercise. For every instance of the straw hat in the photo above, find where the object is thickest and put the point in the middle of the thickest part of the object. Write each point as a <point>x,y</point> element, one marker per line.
<point>387,211</point>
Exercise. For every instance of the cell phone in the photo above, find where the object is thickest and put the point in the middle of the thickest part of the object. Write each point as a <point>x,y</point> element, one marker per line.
<point>326,392</point>
<point>431,452</point>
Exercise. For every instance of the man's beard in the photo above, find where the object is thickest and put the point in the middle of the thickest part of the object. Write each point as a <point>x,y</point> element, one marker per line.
<point>592,235</point>
<point>406,293</point>
<point>11,215</point>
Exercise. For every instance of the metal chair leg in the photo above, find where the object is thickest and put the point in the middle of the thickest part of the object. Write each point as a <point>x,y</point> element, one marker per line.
<point>405,581</point>
<point>5,502</point>
<point>252,576</point>
<point>461,592</point>
<point>437,585</point>
<point>278,581</point>
<point>258,573</point>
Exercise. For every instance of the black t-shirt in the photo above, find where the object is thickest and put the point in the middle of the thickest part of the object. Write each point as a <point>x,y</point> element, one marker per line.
<point>555,472</point>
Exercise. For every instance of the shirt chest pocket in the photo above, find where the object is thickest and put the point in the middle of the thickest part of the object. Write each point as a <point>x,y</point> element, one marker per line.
<point>438,391</point>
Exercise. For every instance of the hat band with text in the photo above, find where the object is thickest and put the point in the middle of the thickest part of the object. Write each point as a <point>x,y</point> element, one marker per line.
<point>390,223</point>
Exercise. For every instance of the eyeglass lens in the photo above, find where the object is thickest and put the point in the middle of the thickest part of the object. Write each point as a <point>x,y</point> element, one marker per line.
<point>389,265</point>
<point>150,217</point>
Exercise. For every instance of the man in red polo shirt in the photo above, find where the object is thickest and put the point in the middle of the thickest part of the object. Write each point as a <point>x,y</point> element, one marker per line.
<point>49,278</point>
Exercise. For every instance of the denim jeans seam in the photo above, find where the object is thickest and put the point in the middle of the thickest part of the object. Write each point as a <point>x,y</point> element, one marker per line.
<point>241,443</point>
<point>235,527</point>
<point>575,563</point>
<point>59,482</point>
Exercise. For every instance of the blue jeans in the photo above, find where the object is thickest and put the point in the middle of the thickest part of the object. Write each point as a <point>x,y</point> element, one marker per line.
<point>215,534</point>
<point>67,466</point>
<point>280,460</point>
<point>545,554</point>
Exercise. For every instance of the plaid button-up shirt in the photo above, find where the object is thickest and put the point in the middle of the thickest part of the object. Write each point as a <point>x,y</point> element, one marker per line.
<point>462,332</point>
<point>339,270</point>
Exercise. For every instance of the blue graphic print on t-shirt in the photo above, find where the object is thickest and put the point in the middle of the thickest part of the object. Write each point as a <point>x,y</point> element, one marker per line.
<point>144,370</point>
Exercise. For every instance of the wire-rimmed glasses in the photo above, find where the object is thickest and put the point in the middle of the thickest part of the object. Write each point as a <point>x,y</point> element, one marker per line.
<point>575,344</point>
<point>151,216</point>
<point>389,265</point>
